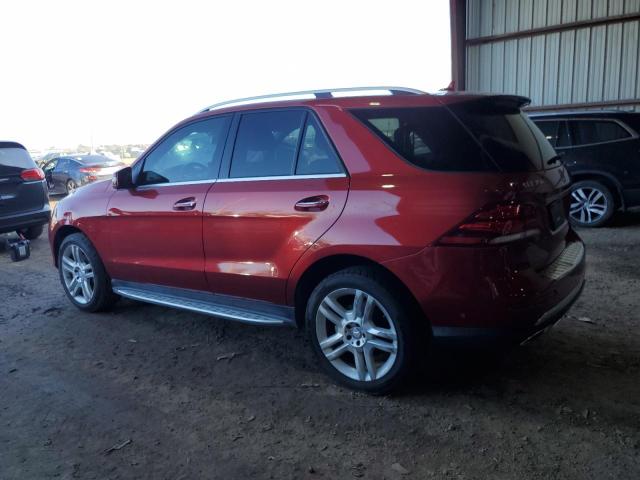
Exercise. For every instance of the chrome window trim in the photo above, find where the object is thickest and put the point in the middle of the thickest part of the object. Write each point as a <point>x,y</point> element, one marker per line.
<point>283,177</point>
<point>171,184</point>
<point>243,179</point>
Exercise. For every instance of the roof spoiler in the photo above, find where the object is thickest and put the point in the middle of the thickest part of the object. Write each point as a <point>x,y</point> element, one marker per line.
<point>498,103</point>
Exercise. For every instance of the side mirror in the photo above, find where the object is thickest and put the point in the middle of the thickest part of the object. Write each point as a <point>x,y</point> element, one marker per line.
<point>123,179</point>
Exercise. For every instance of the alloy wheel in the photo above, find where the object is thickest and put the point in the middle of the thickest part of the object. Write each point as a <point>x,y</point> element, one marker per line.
<point>588,205</point>
<point>356,334</point>
<point>78,275</point>
<point>71,187</point>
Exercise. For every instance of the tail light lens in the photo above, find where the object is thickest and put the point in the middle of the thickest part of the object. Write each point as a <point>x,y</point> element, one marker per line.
<point>495,224</point>
<point>32,175</point>
<point>89,169</point>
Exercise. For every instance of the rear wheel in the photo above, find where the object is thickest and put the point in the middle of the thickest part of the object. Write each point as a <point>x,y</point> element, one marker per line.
<point>31,233</point>
<point>592,204</point>
<point>362,333</point>
<point>83,276</point>
<point>71,186</point>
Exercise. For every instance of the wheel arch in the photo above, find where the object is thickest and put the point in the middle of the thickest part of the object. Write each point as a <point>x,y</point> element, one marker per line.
<point>606,179</point>
<point>62,233</point>
<point>328,265</point>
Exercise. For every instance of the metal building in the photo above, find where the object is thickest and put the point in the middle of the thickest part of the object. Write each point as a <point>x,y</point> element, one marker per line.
<point>561,53</point>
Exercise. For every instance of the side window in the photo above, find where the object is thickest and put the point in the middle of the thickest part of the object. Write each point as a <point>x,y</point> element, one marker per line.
<point>63,165</point>
<point>316,155</point>
<point>563,135</point>
<point>554,131</point>
<point>549,130</point>
<point>266,144</point>
<point>586,132</point>
<point>50,166</point>
<point>189,154</point>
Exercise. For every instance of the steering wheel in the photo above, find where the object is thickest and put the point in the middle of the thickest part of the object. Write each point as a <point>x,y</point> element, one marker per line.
<point>194,169</point>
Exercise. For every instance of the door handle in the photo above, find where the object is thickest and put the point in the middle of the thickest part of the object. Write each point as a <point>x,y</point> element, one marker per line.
<point>185,204</point>
<point>313,204</point>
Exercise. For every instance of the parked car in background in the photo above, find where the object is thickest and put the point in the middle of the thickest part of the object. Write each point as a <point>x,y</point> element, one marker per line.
<point>24,203</point>
<point>379,223</point>
<point>601,151</point>
<point>66,173</point>
<point>44,159</point>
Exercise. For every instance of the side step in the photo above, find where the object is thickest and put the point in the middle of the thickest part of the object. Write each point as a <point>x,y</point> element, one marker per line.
<point>243,310</point>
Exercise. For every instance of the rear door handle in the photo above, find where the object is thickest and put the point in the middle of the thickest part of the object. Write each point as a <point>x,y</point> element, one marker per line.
<point>313,204</point>
<point>185,204</point>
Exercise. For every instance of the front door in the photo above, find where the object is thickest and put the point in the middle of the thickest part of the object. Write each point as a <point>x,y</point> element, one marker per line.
<point>284,187</point>
<point>48,169</point>
<point>155,228</point>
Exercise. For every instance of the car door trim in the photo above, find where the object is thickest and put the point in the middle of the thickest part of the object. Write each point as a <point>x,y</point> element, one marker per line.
<point>282,177</point>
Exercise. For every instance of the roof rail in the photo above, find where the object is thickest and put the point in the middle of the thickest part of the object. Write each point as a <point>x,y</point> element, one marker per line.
<point>311,94</point>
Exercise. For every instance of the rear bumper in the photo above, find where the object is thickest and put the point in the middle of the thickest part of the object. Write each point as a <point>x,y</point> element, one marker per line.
<point>492,336</point>
<point>21,220</point>
<point>487,295</point>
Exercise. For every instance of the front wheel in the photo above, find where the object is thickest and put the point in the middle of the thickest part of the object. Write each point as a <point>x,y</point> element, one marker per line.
<point>362,333</point>
<point>83,276</point>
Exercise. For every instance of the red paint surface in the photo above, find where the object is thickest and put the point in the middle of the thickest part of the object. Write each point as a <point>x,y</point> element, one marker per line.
<point>246,238</point>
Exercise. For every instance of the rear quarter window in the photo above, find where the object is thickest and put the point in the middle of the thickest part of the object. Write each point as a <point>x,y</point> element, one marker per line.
<point>428,137</point>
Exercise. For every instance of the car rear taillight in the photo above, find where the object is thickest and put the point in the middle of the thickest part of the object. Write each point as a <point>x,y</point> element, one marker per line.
<point>32,175</point>
<point>89,169</point>
<point>495,224</point>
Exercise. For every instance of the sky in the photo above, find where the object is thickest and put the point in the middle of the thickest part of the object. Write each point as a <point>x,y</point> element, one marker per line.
<point>125,71</point>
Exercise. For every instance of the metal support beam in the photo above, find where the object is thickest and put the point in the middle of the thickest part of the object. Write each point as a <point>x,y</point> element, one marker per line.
<point>458,19</point>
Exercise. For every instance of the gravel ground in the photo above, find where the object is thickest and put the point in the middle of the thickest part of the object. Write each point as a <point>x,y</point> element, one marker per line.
<point>149,392</point>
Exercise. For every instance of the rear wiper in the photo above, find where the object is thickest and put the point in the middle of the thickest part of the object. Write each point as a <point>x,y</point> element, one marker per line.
<point>555,158</point>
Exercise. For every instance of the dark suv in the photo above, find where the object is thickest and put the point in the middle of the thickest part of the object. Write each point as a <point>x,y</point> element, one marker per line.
<point>601,151</point>
<point>24,202</point>
<point>378,223</point>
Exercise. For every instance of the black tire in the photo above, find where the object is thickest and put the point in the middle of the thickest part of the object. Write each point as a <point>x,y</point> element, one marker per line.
<point>31,233</point>
<point>103,296</point>
<point>71,186</point>
<point>373,283</point>
<point>584,214</point>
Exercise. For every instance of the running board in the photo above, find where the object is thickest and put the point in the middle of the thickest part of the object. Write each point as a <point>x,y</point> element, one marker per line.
<point>255,312</point>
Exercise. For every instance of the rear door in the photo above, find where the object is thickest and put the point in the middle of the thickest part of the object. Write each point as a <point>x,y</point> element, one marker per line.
<point>60,174</point>
<point>284,186</point>
<point>16,194</point>
<point>155,228</point>
<point>605,145</point>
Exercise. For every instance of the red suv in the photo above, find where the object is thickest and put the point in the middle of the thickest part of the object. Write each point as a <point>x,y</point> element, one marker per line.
<point>380,223</point>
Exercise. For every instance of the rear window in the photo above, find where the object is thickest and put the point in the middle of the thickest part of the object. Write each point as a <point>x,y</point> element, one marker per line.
<point>587,132</point>
<point>428,137</point>
<point>15,158</point>
<point>511,139</point>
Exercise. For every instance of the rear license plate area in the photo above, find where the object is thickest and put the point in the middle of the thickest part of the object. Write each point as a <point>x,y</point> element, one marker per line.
<point>557,214</point>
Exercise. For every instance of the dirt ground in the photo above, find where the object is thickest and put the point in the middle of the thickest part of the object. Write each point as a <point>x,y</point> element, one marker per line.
<point>149,392</point>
